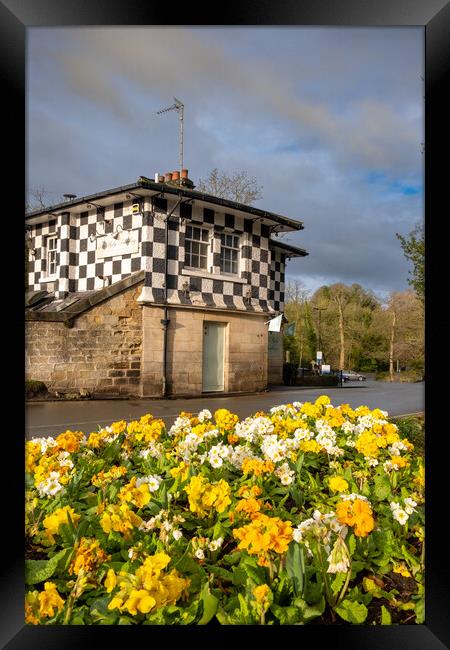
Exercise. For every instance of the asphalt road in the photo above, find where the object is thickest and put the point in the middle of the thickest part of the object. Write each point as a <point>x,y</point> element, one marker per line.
<point>51,418</point>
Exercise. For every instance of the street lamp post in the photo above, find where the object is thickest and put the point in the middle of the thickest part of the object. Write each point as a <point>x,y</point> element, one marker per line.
<point>319,309</point>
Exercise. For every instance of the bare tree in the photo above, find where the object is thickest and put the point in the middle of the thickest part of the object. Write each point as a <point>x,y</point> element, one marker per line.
<point>238,186</point>
<point>40,198</point>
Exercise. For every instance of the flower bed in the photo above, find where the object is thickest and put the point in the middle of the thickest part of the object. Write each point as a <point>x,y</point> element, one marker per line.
<point>306,514</point>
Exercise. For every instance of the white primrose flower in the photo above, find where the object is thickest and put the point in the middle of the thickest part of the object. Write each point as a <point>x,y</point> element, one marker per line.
<point>398,512</point>
<point>149,525</point>
<point>215,544</point>
<point>177,534</point>
<point>44,443</point>
<point>50,486</point>
<point>410,505</point>
<point>397,447</point>
<point>215,460</point>
<point>152,480</point>
<point>285,474</point>
<point>199,554</point>
<point>153,449</point>
<point>348,427</point>
<point>181,425</point>
<point>204,415</point>
<point>339,559</point>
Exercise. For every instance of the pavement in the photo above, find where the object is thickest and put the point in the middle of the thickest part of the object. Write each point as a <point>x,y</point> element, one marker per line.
<point>51,418</point>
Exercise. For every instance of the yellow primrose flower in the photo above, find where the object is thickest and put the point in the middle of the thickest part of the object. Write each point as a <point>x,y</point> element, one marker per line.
<point>120,519</point>
<point>88,556</point>
<point>257,467</point>
<point>69,441</point>
<point>32,608</point>
<point>139,496</point>
<point>264,534</point>
<point>118,427</point>
<point>181,470</point>
<point>49,600</point>
<point>260,593</point>
<point>110,580</point>
<point>402,569</point>
<point>322,400</point>
<point>356,513</point>
<point>32,453</point>
<point>310,445</point>
<point>226,420</point>
<point>204,497</point>
<point>53,521</point>
<point>338,484</point>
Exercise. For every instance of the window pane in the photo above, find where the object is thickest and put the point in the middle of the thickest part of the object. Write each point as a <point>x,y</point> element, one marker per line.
<point>204,235</point>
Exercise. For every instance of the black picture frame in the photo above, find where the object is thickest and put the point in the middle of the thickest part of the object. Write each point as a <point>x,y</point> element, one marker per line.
<point>434,15</point>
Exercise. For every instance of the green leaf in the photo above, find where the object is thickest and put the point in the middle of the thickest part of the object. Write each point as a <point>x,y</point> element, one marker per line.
<point>239,576</point>
<point>337,583</point>
<point>382,487</point>
<point>295,567</point>
<point>309,612</point>
<point>232,558</point>
<point>220,572</point>
<point>210,603</point>
<point>420,611</point>
<point>297,496</point>
<point>286,615</point>
<point>244,607</point>
<point>352,612</point>
<point>351,543</point>
<point>40,570</point>
<point>385,616</point>
<point>299,463</point>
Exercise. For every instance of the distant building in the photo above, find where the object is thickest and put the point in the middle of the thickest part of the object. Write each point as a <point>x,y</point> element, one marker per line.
<point>155,289</point>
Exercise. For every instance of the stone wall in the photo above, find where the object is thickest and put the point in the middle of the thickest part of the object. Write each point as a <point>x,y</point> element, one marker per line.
<point>100,353</point>
<point>275,360</point>
<point>245,366</point>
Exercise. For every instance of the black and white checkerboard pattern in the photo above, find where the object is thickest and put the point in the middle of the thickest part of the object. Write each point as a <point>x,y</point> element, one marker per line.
<point>257,287</point>
<point>277,267</point>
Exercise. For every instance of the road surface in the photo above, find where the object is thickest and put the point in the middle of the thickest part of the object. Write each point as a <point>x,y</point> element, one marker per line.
<point>51,418</point>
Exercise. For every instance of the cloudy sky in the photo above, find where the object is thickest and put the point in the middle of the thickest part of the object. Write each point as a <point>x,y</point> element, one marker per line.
<point>329,120</point>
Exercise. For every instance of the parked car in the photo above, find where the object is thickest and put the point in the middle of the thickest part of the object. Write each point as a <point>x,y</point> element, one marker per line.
<point>351,375</point>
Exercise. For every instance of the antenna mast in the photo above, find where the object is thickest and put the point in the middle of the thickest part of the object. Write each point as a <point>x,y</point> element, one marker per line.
<point>179,107</point>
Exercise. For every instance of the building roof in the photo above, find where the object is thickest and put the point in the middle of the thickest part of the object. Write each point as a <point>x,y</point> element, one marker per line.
<point>288,249</point>
<point>147,187</point>
<point>41,305</point>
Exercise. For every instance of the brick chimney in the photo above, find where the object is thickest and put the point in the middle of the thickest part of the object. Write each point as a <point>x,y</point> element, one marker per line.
<point>173,178</point>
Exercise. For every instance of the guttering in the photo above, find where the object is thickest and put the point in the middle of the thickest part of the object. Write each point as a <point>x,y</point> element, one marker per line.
<point>226,203</point>
<point>291,251</point>
<point>146,183</point>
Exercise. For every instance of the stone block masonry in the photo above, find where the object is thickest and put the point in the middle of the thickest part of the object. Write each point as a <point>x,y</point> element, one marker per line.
<point>101,352</point>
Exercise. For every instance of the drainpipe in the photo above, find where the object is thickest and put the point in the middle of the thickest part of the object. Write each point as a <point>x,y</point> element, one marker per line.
<point>165,321</point>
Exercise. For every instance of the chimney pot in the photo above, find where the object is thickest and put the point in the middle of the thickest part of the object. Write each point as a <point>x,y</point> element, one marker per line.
<point>161,179</point>
<point>168,177</point>
<point>184,173</point>
<point>175,176</point>
<point>156,177</point>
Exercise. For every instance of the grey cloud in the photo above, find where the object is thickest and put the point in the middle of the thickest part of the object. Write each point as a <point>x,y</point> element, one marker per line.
<point>156,61</point>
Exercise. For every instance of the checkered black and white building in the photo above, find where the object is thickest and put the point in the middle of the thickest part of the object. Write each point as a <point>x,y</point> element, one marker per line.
<point>196,250</point>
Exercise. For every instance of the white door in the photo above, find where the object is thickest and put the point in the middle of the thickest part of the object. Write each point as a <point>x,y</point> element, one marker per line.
<point>213,356</point>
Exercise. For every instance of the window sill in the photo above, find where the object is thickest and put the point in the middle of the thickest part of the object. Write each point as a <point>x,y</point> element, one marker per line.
<point>213,276</point>
<point>49,278</point>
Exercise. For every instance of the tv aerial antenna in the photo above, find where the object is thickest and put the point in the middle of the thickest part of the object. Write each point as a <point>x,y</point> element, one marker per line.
<point>179,107</point>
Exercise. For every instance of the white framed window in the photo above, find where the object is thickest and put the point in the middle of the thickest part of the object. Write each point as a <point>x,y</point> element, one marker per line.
<point>196,247</point>
<point>229,253</point>
<point>50,256</point>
